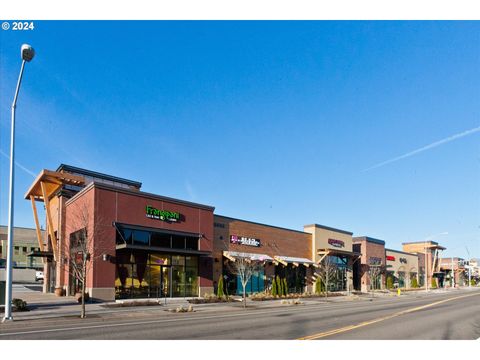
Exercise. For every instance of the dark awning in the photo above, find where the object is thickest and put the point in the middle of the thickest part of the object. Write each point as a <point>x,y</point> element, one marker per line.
<point>163,249</point>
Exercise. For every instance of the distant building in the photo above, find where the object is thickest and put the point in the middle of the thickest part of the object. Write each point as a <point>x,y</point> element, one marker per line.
<point>24,242</point>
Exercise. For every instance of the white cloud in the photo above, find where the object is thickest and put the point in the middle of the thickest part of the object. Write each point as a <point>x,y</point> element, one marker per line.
<point>428,147</point>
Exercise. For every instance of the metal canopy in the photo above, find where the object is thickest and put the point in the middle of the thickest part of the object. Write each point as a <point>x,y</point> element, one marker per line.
<point>285,260</point>
<point>162,249</point>
<point>232,255</point>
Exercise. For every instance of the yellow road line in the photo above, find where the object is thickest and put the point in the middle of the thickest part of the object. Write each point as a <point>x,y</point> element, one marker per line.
<point>365,323</point>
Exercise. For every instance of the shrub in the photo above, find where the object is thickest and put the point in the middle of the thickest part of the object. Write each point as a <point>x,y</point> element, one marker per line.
<point>389,282</point>
<point>274,288</point>
<point>279,286</point>
<point>220,292</point>
<point>19,305</point>
<point>318,286</point>
<point>285,287</point>
<point>472,282</point>
<point>414,283</point>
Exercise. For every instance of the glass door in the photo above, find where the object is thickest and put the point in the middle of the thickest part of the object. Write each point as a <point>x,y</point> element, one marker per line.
<point>165,281</point>
<point>155,288</point>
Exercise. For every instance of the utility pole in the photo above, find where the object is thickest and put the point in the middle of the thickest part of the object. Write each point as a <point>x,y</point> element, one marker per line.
<point>453,276</point>
<point>426,270</point>
<point>469,270</point>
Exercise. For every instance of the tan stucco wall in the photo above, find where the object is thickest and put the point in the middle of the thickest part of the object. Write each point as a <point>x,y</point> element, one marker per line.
<point>321,236</point>
<point>396,266</point>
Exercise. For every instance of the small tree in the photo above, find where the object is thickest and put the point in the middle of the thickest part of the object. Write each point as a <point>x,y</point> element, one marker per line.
<point>285,287</point>
<point>85,245</point>
<point>244,268</point>
<point>375,273</point>
<point>220,292</point>
<point>326,272</point>
<point>414,282</point>
<point>318,286</point>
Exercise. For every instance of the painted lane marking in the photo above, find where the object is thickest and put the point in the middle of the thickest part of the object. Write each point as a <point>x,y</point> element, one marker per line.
<point>365,323</point>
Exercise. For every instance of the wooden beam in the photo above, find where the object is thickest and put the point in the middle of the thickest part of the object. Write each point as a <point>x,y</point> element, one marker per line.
<point>323,257</point>
<point>37,226</point>
<point>434,261</point>
<point>283,262</point>
<point>228,256</point>
<point>49,221</point>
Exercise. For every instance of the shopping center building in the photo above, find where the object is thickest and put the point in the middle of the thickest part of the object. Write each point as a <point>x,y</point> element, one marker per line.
<point>143,245</point>
<point>370,271</point>
<point>402,267</point>
<point>284,253</point>
<point>140,244</point>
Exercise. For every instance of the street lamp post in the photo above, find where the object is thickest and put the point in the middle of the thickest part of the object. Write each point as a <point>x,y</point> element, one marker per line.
<point>27,54</point>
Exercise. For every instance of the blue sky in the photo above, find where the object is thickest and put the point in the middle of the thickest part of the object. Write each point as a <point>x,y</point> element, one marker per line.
<point>274,122</point>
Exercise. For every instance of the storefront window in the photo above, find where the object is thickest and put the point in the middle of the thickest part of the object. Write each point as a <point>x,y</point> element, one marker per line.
<point>191,243</point>
<point>156,259</point>
<point>124,236</point>
<point>178,260</point>
<point>191,261</point>
<point>191,281</point>
<point>123,281</point>
<point>178,281</point>
<point>401,279</point>
<point>141,237</point>
<point>178,242</point>
<point>143,275</point>
<point>161,240</point>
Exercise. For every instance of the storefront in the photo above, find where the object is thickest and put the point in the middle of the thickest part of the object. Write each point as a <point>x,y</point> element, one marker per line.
<point>402,267</point>
<point>332,252</point>
<point>371,269</point>
<point>429,254</point>
<point>284,253</point>
<point>139,245</point>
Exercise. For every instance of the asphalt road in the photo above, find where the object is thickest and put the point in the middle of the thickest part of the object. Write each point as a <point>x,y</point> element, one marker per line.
<point>453,315</point>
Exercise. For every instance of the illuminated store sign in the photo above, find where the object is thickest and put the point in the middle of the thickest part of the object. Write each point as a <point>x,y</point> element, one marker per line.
<point>243,240</point>
<point>375,260</point>
<point>163,215</point>
<point>390,258</point>
<point>336,243</point>
<point>403,260</point>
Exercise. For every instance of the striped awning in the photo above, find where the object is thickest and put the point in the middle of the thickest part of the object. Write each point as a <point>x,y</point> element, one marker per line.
<point>232,255</point>
<point>285,260</point>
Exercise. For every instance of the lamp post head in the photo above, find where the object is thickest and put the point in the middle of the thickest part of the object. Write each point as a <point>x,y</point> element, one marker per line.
<point>27,52</point>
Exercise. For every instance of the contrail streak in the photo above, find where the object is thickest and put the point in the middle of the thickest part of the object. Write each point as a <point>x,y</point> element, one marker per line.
<point>428,147</point>
<point>20,165</point>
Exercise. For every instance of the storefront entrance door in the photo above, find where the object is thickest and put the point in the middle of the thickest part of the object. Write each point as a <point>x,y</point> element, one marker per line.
<point>165,280</point>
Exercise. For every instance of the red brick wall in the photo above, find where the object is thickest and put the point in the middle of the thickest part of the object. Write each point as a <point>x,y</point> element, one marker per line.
<point>274,241</point>
<point>117,206</point>
<point>368,250</point>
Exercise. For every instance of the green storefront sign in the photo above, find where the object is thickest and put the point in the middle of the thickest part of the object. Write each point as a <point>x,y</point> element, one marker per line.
<point>163,215</point>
